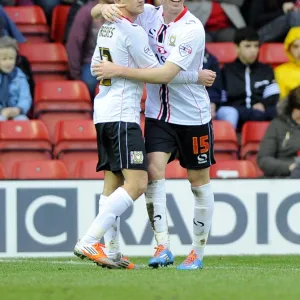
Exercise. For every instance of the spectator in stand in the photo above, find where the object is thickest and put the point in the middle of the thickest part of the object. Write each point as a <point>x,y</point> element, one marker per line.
<point>278,151</point>
<point>47,6</point>
<point>81,45</point>
<point>8,27</point>
<point>288,74</point>
<point>23,63</point>
<point>250,90</point>
<point>75,7</point>
<point>15,99</point>
<point>210,62</point>
<point>246,10</point>
<point>274,18</point>
<point>220,18</point>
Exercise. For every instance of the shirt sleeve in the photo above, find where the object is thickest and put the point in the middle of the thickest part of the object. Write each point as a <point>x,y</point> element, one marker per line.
<point>140,50</point>
<point>149,12</point>
<point>96,59</point>
<point>187,47</point>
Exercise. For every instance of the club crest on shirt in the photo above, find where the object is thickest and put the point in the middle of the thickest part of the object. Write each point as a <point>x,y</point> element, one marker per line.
<point>172,40</point>
<point>136,157</point>
<point>185,50</point>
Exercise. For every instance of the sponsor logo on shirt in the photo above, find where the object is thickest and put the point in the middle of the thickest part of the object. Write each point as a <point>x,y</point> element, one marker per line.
<point>161,50</point>
<point>136,157</point>
<point>152,33</point>
<point>202,159</point>
<point>185,50</point>
<point>258,84</point>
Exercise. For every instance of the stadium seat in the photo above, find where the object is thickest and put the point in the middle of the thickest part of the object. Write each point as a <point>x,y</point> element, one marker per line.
<point>225,52</point>
<point>252,134</point>
<point>86,169</point>
<point>75,140</point>
<point>48,61</point>
<point>233,169</point>
<point>272,54</point>
<point>23,141</point>
<point>2,173</point>
<point>175,171</point>
<point>61,100</point>
<point>44,169</point>
<point>225,143</point>
<point>31,21</point>
<point>58,24</point>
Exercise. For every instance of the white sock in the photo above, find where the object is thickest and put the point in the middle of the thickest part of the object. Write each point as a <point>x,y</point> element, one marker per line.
<point>156,202</point>
<point>116,205</point>
<point>203,213</point>
<point>111,237</point>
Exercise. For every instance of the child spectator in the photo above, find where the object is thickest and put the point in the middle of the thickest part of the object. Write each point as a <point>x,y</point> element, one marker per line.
<point>15,97</point>
<point>279,147</point>
<point>250,90</point>
<point>288,74</point>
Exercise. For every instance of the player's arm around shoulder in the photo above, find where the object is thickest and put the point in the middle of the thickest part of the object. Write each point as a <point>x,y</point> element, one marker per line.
<point>108,12</point>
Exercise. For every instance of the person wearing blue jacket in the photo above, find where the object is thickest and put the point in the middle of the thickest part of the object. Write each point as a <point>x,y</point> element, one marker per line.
<point>15,96</point>
<point>210,62</point>
<point>8,27</point>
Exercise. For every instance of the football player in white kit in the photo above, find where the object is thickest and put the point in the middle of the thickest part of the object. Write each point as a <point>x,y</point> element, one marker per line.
<point>120,143</point>
<point>178,120</point>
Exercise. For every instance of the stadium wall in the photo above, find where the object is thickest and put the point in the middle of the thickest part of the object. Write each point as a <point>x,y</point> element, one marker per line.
<point>45,218</point>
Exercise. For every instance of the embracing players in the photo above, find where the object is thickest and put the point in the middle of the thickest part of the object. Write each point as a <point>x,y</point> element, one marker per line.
<point>120,144</point>
<point>178,120</point>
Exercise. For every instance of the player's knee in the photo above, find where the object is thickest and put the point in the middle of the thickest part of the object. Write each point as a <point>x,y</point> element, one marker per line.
<point>198,177</point>
<point>108,190</point>
<point>137,185</point>
<point>156,171</point>
<point>142,187</point>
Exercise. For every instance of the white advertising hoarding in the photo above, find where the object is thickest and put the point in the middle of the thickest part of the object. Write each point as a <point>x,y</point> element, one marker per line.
<point>45,218</point>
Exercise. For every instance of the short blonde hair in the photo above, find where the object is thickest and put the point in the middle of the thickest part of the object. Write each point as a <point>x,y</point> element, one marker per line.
<point>8,42</point>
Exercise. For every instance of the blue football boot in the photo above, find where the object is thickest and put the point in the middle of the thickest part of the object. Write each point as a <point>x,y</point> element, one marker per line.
<point>192,262</point>
<point>162,257</point>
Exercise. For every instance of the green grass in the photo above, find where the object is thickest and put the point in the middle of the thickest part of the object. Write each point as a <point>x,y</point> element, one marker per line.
<point>245,277</point>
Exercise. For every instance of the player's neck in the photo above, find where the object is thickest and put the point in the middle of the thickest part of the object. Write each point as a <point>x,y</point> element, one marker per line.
<point>128,15</point>
<point>170,16</point>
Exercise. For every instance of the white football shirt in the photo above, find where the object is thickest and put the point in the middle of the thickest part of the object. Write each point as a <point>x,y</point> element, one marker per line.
<point>181,42</point>
<point>125,44</point>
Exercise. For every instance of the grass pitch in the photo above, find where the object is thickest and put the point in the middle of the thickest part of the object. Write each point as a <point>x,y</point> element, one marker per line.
<point>232,278</point>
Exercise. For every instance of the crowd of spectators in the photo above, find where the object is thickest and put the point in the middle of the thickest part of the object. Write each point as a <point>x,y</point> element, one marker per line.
<point>245,89</point>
